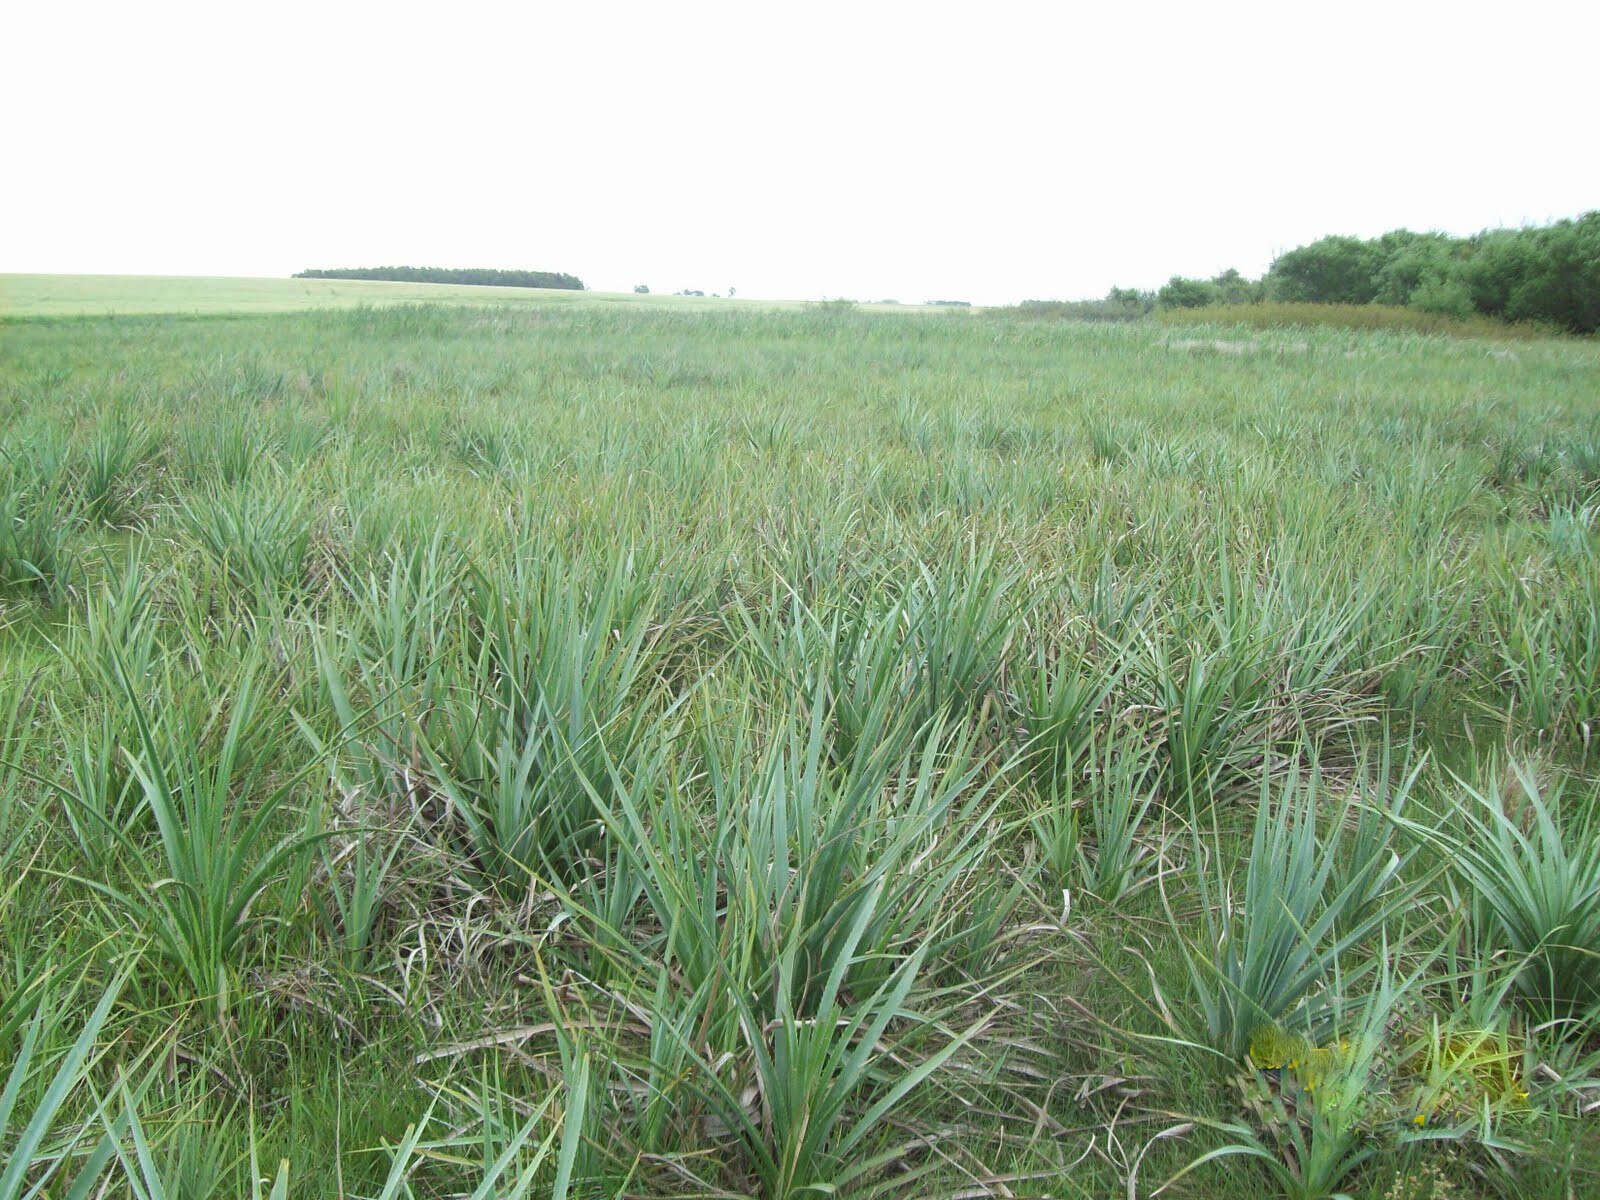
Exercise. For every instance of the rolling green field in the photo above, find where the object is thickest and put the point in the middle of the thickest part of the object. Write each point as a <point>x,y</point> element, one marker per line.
<point>103,295</point>
<point>588,750</point>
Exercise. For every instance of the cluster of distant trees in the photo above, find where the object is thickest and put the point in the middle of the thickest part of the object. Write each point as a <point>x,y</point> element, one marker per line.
<point>1120,304</point>
<point>1548,274</point>
<point>478,275</point>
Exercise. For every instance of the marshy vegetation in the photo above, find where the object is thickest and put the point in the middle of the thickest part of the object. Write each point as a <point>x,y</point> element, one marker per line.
<point>586,752</point>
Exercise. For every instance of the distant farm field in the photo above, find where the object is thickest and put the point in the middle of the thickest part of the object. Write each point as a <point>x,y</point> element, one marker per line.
<point>572,748</point>
<point>101,295</point>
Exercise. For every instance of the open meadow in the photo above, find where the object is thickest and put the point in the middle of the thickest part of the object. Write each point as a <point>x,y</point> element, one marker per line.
<point>690,750</point>
<point>196,295</point>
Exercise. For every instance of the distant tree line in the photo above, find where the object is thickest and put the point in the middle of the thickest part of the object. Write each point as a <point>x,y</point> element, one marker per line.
<point>487,276</point>
<point>1120,304</point>
<point>1548,274</point>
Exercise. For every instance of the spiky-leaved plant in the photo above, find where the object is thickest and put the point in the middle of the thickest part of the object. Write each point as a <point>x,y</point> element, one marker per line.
<point>552,702</point>
<point>1265,957</point>
<point>1531,859</point>
<point>217,849</point>
<point>39,518</point>
<point>43,1150</point>
<point>798,852</point>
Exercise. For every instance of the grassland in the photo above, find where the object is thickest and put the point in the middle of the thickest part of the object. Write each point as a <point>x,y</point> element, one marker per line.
<point>104,295</point>
<point>1378,317</point>
<point>585,750</point>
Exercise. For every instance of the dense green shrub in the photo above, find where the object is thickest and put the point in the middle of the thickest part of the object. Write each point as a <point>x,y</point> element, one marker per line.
<point>1413,261</point>
<point>1186,293</point>
<point>1229,287</point>
<point>1233,288</point>
<point>1549,275</point>
<point>1334,270</point>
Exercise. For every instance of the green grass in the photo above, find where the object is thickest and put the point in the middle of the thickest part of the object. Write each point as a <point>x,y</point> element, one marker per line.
<point>681,749</point>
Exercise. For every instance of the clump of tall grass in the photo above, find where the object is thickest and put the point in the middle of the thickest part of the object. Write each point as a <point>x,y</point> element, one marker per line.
<point>791,869</point>
<point>120,629</point>
<point>793,908</point>
<point>1114,847</point>
<point>381,676</point>
<point>223,451</point>
<point>261,538</point>
<point>27,976</point>
<point>1575,634</point>
<point>101,800</point>
<point>358,862</point>
<point>384,670</point>
<point>854,653</point>
<point>194,893</point>
<point>547,714</point>
<point>894,655</point>
<point>106,473</point>
<point>39,517</point>
<point>1572,531</point>
<point>1266,958</point>
<point>1583,458</point>
<point>814,1076</point>
<point>193,1162</point>
<point>1530,859</point>
<point>488,1144</point>
<point>20,736</point>
<point>1213,702</point>
<point>1382,785</point>
<point>488,449</point>
<point>1526,644</point>
<point>1062,693</point>
<point>1243,671</point>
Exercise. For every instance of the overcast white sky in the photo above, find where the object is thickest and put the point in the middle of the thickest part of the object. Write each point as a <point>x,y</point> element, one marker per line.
<point>986,151</point>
